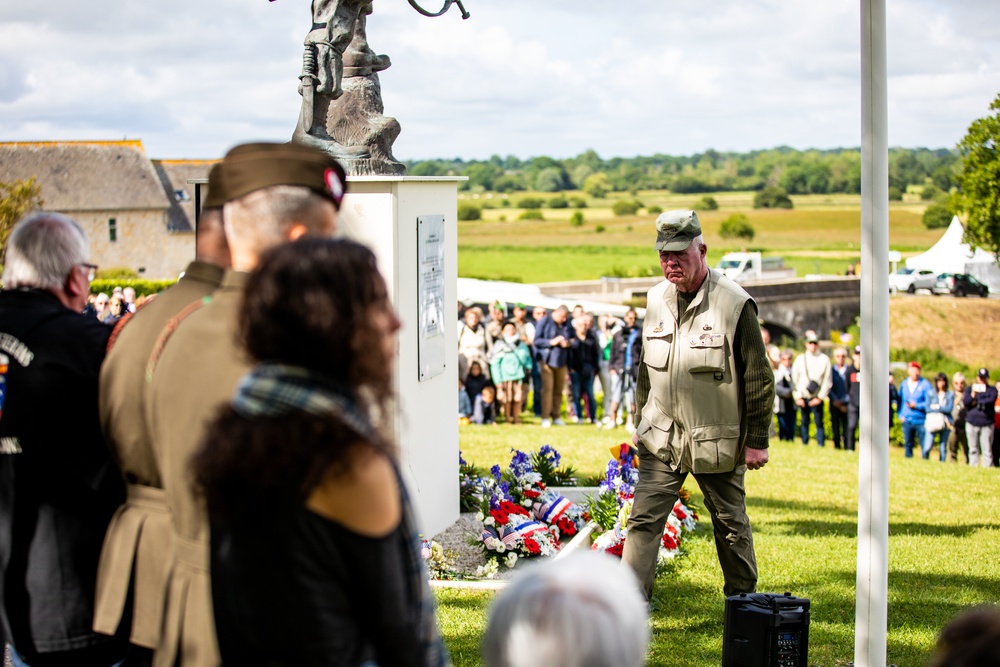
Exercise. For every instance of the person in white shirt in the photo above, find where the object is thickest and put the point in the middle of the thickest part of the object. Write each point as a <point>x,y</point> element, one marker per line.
<point>812,377</point>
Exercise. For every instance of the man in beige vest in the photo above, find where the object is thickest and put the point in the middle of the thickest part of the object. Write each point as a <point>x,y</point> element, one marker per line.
<point>705,391</point>
<point>275,193</point>
<point>138,546</point>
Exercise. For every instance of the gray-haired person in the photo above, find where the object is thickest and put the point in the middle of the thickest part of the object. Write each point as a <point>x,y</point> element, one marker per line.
<point>705,392</point>
<point>581,610</point>
<point>58,484</point>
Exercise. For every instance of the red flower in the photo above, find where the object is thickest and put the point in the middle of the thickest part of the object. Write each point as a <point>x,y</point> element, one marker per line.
<point>669,541</point>
<point>511,508</point>
<point>532,546</point>
<point>679,513</point>
<point>528,493</point>
<point>616,550</point>
<point>567,527</point>
<point>500,517</point>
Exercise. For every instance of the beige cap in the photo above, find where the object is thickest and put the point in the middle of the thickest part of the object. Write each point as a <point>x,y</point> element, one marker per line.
<point>676,229</point>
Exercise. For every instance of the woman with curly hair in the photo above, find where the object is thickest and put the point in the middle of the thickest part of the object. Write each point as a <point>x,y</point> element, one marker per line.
<point>315,555</point>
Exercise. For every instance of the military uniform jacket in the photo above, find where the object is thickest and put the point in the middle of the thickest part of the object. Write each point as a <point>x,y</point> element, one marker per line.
<point>190,377</point>
<point>138,547</point>
<point>692,417</point>
<point>58,483</point>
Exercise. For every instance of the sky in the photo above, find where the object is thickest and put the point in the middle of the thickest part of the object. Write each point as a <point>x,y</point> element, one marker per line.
<point>192,78</point>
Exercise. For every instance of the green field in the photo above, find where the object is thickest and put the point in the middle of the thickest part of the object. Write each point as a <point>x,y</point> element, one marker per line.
<point>822,234</point>
<point>944,530</point>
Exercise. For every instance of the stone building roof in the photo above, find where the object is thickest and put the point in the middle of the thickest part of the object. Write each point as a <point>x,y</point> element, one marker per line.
<point>86,175</point>
<point>174,176</point>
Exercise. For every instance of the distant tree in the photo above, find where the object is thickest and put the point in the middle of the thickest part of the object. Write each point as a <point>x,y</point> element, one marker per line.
<point>737,226</point>
<point>929,192</point>
<point>578,202</point>
<point>979,181</point>
<point>626,207</point>
<point>427,168</point>
<point>580,173</point>
<point>944,177</point>
<point>509,183</point>
<point>596,185</point>
<point>772,197</point>
<point>654,210</point>
<point>706,203</point>
<point>531,214</point>
<point>550,179</point>
<point>576,219</point>
<point>469,211</point>
<point>530,202</point>
<point>895,194</point>
<point>483,175</point>
<point>558,202</point>
<point>17,198</point>
<point>937,216</point>
<point>686,184</point>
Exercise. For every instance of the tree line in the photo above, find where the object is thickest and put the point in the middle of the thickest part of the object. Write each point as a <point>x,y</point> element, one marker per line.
<point>795,171</point>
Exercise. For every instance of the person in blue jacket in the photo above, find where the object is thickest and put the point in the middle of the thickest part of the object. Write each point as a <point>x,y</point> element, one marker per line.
<point>915,396</point>
<point>942,403</point>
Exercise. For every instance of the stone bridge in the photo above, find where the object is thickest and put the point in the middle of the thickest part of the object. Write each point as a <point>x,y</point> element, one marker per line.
<point>788,307</point>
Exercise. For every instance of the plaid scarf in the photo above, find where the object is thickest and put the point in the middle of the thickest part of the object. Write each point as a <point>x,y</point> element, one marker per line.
<point>272,390</point>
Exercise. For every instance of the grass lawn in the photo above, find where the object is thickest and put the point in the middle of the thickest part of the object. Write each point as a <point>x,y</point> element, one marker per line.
<point>822,234</point>
<point>944,532</point>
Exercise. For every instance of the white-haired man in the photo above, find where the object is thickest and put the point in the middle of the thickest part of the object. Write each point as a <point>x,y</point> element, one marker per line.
<point>581,610</point>
<point>58,483</point>
<point>705,391</point>
<point>274,193</point>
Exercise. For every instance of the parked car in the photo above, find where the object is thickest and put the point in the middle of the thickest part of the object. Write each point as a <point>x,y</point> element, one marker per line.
<point>910,280</point>
<point>960,284</point>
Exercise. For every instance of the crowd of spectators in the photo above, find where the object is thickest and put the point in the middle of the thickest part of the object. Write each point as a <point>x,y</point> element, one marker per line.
<point>941,418</point>
<point>549,362</point>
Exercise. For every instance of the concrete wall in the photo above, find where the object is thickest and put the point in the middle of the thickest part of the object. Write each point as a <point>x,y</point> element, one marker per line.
<point>142,242</point>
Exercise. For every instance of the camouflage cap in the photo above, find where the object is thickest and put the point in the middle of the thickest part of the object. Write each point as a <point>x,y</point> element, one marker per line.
<point>251,167</point>
<point>676,229</point>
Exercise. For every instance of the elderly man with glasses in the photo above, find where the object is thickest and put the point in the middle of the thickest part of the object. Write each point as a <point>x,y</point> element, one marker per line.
<point>60,485</point>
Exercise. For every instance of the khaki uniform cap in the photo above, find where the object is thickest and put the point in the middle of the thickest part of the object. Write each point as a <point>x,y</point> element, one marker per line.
<point>250,167</point>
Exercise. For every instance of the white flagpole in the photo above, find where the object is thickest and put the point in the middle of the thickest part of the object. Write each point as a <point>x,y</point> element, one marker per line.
<point>871,620</point>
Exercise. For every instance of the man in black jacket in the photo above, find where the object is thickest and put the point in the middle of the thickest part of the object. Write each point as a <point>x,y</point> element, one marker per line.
<point>58,483</point>
<point>979,400</point>
<point>625,348</point>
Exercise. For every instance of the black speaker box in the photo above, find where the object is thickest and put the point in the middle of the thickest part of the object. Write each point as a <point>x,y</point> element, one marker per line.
<point>766,630</point>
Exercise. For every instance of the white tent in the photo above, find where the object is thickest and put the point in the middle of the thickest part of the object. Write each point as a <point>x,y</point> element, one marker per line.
<point>951,255</point>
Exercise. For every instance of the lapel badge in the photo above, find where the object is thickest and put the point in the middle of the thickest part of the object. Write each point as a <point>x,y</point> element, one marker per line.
<point>659,327</point>
<point>706,328</point>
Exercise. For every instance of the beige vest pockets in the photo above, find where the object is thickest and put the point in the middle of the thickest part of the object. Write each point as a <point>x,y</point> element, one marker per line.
<point>715,447</point>
<point>707,354</point>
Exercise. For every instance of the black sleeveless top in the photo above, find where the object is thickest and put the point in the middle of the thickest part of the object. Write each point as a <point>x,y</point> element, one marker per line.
<point>292,587</point>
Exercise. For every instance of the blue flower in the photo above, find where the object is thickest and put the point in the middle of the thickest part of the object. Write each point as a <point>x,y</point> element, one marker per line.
<point>549,452</point>
<point>520,463</point>
<point>461,461</point>
<point>495,471</point>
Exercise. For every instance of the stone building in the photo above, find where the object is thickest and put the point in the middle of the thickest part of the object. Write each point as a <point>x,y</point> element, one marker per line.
<point>138,213</point>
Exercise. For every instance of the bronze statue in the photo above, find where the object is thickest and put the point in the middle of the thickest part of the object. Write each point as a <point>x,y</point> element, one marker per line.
<point>342,111</point>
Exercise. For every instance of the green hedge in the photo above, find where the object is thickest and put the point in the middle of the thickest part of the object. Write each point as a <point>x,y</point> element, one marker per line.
<point>141,287</point>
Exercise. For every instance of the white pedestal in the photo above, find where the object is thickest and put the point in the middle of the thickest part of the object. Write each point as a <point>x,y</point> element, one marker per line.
<point>382,212</point>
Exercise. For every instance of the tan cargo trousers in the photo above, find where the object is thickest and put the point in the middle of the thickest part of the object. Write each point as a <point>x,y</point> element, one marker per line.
<point>725,499</point>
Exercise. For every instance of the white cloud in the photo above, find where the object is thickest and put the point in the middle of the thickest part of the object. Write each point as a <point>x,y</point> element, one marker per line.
<point>520,77</point>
